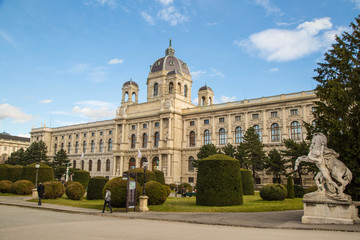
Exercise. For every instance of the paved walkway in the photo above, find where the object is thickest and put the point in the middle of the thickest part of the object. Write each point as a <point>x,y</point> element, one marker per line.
<point>275,220</point>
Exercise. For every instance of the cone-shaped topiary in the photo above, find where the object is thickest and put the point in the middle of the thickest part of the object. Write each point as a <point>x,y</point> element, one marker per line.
<point>75,191</point>
<point>6,186</point>
<point>23,187</point>
<point>290,188</point>
<point>219,181</point>
<point>53,189</point>
<point>299,191</point>
<point>247,182</point>
<point>118,188</point>
<point>82,177</point>
<point>273,192</point>
<point>45,173</point>
<point>159,175</point>
<point>149,175</point>
<point>156,193</point>
<point>95,187</point>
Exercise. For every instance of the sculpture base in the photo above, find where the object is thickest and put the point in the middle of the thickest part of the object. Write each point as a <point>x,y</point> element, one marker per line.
<point>318,209</point>
<point>34,194</point>
<point>143,204</point>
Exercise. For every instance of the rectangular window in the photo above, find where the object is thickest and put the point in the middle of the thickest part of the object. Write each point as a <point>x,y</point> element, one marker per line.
<point>133,127</point>
<point>92,134</point>
<point>313,109</point>
<point>274,114</point>
<point>206,121</point>
<point>192,123</point>
<point>101,133</point>
<point>77,135</point>
<point>255,116</point>
<point>144,125</point>
<point>221,120</point>
<point>191,179</point>
<point>84,135</point>
<point>62,137</point>
<point>69,136</point>
<point>294,112</point>
<point>55,138</point>
<point>237,118</point>
<point>110,132</point>
<point>157,124</point>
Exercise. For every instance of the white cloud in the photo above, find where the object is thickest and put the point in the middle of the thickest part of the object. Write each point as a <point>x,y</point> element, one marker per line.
<point>270,8</point>
<point>172,15</point>
<point>357,3</point>
<point>15,113</point>
<point>197,74</point>
<point>116,61</point>
<point>7,38</point>
<point>212,24</point>
<point>46,101</point>
<point>78,68</point>
<point>165,2</point>
<point>148,18</point>
<point>110,3</point>
<point>287,45</point>
<point>227,99</point>
<point>24,135</point>
<point>94,109</point>
<point>195,101</point>
<point>216,73</point>
<point>98,75</point>
<point>274,69</point>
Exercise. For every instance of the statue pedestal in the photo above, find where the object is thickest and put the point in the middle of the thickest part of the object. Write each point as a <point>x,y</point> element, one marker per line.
<point>318,209</point>
<point>143,204</point>
<point>34,194</point>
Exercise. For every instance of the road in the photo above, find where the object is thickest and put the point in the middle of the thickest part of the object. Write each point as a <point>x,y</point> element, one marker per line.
<point>25,223</point>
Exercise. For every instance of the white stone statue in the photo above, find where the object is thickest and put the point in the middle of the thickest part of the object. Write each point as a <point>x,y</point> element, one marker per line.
<point>333,175</point>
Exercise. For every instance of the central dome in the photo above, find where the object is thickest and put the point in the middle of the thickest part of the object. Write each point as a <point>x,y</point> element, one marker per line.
<point>170,63</point>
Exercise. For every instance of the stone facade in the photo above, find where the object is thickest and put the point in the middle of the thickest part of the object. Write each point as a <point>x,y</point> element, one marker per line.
<point>10,144</point>
<point>168,129</point>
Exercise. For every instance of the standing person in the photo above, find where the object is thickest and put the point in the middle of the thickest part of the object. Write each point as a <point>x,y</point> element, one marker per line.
<point>107,200</point>
<point>41,192</point>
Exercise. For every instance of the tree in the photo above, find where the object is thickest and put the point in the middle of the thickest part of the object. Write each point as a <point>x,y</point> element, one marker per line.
<point>229,150</point>
<point>17,158</point>
<point>275,164</point>
<point>337,113</point>
<point>255,154</point>
<point>205,151</point>
<point>36,152</point>
<point>59,163</point>
<point>242,156</point>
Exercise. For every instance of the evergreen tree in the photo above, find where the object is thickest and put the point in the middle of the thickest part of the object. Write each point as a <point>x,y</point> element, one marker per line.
<point>205,151</point>
<point>241,155</point>
<point>229,150</point>
<point>17,158</point>
<point>290,187</point>
<point>275,164</point>
<point>338,111</point>
<point>59,163</point>
<point>36,152</point>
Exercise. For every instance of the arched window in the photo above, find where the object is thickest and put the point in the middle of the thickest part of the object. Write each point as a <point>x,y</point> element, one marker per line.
<point>74,164</point>
<point>82,164</point>
<point>191,164</point>
<point>76,147</point>
<point>239,137</point>
<point>101,148</point>
<point>171,87</point>
<point>222,136</point>
<point>257,131</point>
<point>62,145</point>
<point>275,132</point>
<point>207,137</point>
<point>156,139</point>
<point>110,145</point>
<point>179,88</point>
<point>99,165</point>
<point>192,139</point>
<point>155,163</point>
<point>156,89</point>
<point>84,147</point>
<point>90,165</point>
<point>132,163</point>
<point>295,130</point>
<point>202,101</point>
<point>55,148</point>
<point>185,90</point>
<point>92,145</point>
<point>144,142</point>
<point>69,147</point>
<point>142,161</point>
<point>126,96</point>
<point>314,123</point>
<point>133,97</point>
<point>108,165</point>
<point>133,141</point>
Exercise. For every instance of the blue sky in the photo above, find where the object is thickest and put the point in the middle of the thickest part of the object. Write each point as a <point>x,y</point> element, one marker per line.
<point>64,62</point>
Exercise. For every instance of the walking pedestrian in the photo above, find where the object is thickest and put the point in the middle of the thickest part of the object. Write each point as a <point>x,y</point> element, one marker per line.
<point>41,192</point>
<point>107,200</point>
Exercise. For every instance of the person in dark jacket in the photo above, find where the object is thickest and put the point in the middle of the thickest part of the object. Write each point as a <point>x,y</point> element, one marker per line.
<point>41,192</point>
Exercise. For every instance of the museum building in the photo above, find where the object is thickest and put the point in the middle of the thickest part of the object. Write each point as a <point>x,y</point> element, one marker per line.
<point>168,130</point>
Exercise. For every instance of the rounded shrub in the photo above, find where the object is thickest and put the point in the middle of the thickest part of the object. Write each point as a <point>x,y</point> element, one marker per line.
<point>75,191</point>
<point>187,187</point>
<point>219,181</point>
<point>273,192</point>
<point>299,191</point>
<point>3,171</point>
<point>247,182</point>
<point>167,189</point>
<point>14,172</point>
<point>95,187</point>
<point>311,189</point>
<point>6,186</point>
<point>149,175</point>
<point>23,187</point>
<point>290,187</point>
<point>156,192</point>
<point>82,177</point>
<point>159,176</point>
<point>53,189</point>
<point>118,189</point>
<point>45,173</point>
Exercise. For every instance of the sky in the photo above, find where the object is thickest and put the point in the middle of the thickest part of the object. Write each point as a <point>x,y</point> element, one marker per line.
<point>65,62</point>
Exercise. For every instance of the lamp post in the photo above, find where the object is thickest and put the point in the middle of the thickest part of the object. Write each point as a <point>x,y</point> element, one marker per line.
<point>144,192</point>
<point>67,171</point>
<point>37,166</point>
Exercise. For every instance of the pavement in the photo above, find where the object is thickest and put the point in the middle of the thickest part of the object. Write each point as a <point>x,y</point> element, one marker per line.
<point>271,220</point>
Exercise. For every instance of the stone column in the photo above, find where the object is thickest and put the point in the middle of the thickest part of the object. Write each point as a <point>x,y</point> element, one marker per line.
<point>246,122</point>
<point>230,132</point>
<point>283,113</point>
<point>213,133</point>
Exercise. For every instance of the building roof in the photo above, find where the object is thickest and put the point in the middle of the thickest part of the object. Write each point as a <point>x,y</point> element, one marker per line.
<point>131,82</point>
<point>14,138</point>
<point>205,88</point>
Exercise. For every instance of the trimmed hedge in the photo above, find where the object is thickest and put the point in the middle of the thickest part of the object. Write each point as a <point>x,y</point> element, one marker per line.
<point>3,171</point>
<point>23,187</point>
<point>95,187</point>
<point>247,182</point>
<point>167,189</point>
<point>159,176</point>
<point>156,193</point>
<point>118,187</point>
<point>149,175</point>
<point>273,192</point>
<point>6,186</point>
<point>187,187</point>
<point>14,172</point>
<point>75,191</point>
<point>53,189</point>
<point>82,177</point>
<point>299,191</point>
<point>45,173</point>
<point>219,181</point>
<point>290,188</point>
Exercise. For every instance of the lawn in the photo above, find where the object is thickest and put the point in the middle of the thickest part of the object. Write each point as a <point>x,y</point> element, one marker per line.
<point>172,204</point>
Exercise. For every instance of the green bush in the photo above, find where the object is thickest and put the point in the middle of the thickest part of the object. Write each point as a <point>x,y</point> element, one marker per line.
<point>167,189</point>
<point>6,186</point>
<point>53,189</point>
<point>149,175</point>
<point>247,182</point>
<point>23,187</point>
<point>14,172</point>
<point>45,173</point>
<point>290,187</point>
<point>156,192</point>
<point>118,189</point>
<point>172,186</point>
<point>82,177</point>
<point>299,191</point>
<point>95,187</point>
<point>219,181</point>
<point>311,189</point>
<point>3,171</point>
<point>159,176</point>
<point>273,192</point>
<point>75,191</point>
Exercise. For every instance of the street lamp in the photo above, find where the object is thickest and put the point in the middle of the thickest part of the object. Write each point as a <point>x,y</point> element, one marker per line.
<point>144,192</point>
<point>37,166</point>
